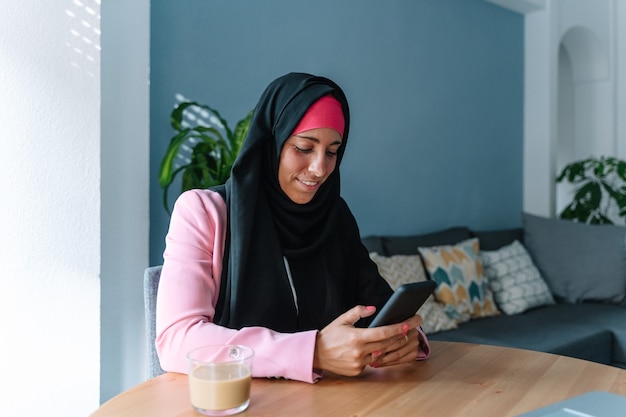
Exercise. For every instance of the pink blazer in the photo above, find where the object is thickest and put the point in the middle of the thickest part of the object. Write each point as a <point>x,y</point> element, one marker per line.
<point>188,292</point>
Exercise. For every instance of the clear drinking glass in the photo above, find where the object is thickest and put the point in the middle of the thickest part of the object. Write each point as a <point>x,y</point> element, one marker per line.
<point>220,377</point>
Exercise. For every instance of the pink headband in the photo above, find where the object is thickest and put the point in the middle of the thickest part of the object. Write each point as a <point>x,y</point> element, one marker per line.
<point>325,112</point>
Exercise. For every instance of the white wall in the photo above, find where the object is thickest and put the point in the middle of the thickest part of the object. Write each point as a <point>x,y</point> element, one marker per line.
<point>49,207</point>
<point>74,134</point>
<point>620,74</point>
<point>125,186</point>
<point>539,122</point>
<point>591,33</point>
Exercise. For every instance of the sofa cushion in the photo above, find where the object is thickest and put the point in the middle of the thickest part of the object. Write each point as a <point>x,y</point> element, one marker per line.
<point>407,245</point>
<point>495,239</point>
<point>461,286</point>
<point>374,244</point>
<point>514,279</point>
<point>402,269</point>
<point>598,316</point>
<point>579,262</point>
<point>585,331</point>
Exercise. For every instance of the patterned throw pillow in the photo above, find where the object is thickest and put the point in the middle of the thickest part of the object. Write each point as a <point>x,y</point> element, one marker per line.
<point>461,286</point>
<point>514,279</point>
<point>402,269</point>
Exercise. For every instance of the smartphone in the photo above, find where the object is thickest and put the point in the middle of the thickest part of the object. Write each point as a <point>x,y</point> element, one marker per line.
<point>404,303</point>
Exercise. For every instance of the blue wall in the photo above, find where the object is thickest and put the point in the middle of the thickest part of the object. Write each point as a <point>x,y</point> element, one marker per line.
<point>435,88</point>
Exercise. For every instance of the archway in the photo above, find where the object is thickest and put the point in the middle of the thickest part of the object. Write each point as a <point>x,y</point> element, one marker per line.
<point>584,103</point>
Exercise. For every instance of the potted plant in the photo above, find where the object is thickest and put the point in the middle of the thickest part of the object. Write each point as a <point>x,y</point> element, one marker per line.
<point>599,188</point>
<point>213,151</point>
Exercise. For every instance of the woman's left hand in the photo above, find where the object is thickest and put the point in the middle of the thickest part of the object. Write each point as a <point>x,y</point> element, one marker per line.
<point>405,348</point>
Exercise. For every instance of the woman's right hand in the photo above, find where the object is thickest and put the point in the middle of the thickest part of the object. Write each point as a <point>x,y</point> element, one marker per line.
<point>346,350</point>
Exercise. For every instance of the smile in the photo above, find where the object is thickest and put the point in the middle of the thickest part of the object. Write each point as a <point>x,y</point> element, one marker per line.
<point>309,183</point>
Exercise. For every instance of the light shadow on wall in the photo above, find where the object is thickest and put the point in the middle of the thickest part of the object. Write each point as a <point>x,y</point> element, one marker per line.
<point>193,116</point>
<point>84,39</point>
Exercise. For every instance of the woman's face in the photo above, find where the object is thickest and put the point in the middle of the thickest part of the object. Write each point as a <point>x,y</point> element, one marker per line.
<point>306,161</point>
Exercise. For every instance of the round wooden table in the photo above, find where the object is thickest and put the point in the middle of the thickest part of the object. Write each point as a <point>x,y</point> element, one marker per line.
<point>458,379</point>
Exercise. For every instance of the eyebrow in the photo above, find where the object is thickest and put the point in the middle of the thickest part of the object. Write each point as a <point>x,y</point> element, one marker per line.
<point>316,140</point>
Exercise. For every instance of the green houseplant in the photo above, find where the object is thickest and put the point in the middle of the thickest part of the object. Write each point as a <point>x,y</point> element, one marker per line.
<point>214,149</point>
<point>599,186</point>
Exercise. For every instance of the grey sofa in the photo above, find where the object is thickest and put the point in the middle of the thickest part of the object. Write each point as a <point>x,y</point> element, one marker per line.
<point>593,330</point>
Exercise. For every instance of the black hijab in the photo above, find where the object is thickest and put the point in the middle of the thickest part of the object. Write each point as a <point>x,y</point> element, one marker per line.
<point>265,226</point>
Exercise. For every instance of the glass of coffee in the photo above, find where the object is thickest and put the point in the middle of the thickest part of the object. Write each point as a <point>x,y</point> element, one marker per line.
<point>219,379</point>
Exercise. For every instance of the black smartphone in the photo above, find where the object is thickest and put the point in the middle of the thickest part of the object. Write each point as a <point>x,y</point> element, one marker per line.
<point>404,303</point>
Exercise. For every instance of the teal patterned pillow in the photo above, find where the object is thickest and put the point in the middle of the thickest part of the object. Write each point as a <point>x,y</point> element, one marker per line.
<point>515,281</point>
<point>461,286</point>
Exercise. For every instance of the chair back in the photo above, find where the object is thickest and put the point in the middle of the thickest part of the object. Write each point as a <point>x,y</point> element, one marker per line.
<point>151,278</point>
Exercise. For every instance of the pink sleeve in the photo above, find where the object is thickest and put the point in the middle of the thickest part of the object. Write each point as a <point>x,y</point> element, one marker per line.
<point>424,349</point>
<point>188,292</point>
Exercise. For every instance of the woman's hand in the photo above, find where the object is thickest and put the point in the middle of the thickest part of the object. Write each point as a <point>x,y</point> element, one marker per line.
<point>343,349</point>
<point>405,350</point>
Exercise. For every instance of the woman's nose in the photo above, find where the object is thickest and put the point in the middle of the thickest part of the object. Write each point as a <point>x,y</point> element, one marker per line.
<point>318,165</point>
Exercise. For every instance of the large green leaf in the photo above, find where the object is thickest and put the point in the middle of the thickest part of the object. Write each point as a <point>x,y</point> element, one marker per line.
<point>589,194</point>
<point>598,218</point>
<point>176,118</point>
<point>574,173</point>
<point>167,187</point>
<point>166,172</point>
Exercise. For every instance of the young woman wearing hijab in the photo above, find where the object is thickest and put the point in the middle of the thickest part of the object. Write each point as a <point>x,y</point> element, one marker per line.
<point>273,259</point>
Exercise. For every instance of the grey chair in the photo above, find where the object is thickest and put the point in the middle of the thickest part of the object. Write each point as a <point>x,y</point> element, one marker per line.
<point>151,278</point>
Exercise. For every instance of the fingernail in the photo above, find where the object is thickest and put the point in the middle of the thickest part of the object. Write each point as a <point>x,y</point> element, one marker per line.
<point>376,354</point>
<point>370,308</point>
<point>405,329</point>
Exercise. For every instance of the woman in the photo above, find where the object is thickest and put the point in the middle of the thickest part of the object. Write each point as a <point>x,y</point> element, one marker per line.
<point>273,259</point>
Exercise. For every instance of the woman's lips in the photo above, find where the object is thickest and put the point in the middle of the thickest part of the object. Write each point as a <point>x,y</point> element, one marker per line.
<point>309,184</point>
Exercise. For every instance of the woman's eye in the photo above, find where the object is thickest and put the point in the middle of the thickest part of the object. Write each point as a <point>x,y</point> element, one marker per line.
<point>303,150</point>
<point>329,152</point>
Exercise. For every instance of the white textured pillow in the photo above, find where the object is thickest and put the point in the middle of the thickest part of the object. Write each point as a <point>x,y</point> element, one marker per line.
<point>402,269</point>
<point>515,281</point>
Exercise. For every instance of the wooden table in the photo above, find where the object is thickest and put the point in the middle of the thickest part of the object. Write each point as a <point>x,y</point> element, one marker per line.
<point>459,379</point>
